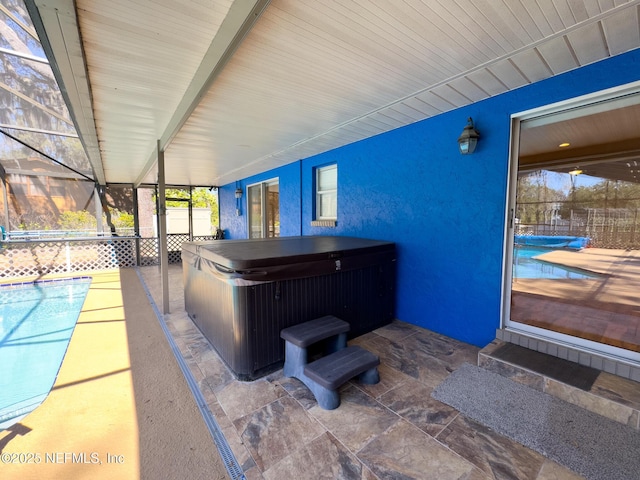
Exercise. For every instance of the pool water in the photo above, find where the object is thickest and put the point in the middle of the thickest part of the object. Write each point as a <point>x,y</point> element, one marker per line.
<point>525,265</point>
<point>36,323</point>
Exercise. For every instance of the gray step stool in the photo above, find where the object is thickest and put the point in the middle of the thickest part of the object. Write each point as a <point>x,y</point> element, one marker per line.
<point>338,365</point>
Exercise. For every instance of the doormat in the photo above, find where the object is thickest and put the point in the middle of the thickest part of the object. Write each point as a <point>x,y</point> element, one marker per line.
<point>564,371</point>
<point>591,445</point>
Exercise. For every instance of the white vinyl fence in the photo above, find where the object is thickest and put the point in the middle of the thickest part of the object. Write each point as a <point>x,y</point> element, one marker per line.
<point>43,256</point>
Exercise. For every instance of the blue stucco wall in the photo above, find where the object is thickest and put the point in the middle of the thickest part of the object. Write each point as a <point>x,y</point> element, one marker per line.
<point>445,211</point>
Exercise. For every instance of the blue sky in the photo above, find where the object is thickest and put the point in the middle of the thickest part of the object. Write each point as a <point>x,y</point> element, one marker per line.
<point>562,181</point>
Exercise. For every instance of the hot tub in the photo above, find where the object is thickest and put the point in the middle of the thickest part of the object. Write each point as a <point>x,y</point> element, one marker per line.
<point>242,293</point>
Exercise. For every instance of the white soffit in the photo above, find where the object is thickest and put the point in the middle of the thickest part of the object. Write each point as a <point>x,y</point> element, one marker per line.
<point>312,75</point>
<point>142,57</point>
<point>315,75</point>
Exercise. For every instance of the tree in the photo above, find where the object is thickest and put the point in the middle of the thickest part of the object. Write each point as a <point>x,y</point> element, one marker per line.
<point>536,198</point>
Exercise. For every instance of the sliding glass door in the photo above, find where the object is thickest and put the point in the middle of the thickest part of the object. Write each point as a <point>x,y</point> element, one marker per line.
<point>574,224</point>
<point>264,209</point>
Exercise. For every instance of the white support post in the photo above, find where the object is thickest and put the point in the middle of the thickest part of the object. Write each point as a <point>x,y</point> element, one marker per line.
<point>162,232</point>
<point>98,202</point>
<point>5,200</point>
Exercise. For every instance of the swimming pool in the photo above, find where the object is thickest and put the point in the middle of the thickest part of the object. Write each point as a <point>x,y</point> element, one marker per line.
<point>525,265</point>
<point>36,323</point>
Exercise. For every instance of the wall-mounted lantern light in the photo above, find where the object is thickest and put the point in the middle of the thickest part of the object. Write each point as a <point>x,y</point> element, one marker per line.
<point>468,139</point>
<point>238,200</point>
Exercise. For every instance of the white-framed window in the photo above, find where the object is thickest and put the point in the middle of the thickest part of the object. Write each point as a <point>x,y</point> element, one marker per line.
<point>327,193</point>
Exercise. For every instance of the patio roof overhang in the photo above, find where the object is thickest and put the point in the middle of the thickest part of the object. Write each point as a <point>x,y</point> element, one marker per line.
<point>232,88</point>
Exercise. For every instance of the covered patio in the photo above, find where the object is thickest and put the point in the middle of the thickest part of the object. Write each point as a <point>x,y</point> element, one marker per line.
<point>248,98</point>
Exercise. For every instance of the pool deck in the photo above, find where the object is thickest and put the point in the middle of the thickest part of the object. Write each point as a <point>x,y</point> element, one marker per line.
<point>120,407</point>
<point>605,309</point>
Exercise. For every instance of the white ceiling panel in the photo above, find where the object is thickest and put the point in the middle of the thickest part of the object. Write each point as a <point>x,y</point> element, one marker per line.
<point>558,55</point>
<point>384,121</point>
<point>417,105</point>
<point>507,73</point>
<point>402,113</point>
<point>133,49</point>
<point>440,104</point>
<point>589,43</point>
<point>468,89</point>
<point>480,84</point>
<point>531,65</point>
<point>408,108</point>
<point>231,88</point>
<point>620,31</point>
<point>452,95</point>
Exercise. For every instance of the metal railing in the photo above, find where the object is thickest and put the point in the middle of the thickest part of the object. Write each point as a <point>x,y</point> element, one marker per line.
<point>25,258</point>
<point>31,235</point>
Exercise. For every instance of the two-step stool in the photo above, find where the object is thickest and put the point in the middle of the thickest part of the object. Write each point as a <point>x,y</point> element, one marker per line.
<point>338,365</point>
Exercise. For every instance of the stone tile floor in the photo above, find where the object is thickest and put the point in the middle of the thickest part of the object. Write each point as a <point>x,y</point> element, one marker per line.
<point>392,430</point>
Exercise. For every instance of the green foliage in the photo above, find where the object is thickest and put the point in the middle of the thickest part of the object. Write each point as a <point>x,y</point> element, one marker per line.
<point>81,220</point>
<point>121,219</point>
<point>29,226</point>
<point>84,220</point>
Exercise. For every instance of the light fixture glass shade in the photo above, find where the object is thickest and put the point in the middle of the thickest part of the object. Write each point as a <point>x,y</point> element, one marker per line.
<point>238,192</point>
<point>468,139</point>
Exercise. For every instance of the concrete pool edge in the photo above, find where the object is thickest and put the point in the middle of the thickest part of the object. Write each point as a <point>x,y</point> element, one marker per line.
<point>36,336</point>
<point>98,405</point>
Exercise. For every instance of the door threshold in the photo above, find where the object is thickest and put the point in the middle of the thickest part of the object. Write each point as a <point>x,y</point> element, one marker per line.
<point>612,364</point>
